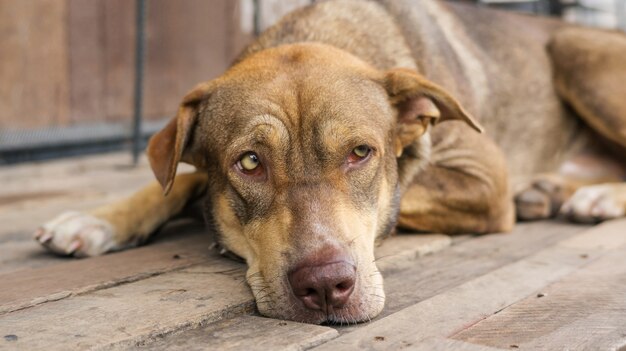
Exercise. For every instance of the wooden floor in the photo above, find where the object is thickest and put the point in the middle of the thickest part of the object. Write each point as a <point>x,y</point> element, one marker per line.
<point>546,286</point>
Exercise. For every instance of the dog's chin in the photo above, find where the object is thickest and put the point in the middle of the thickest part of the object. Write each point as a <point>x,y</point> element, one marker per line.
<point>354,313</point>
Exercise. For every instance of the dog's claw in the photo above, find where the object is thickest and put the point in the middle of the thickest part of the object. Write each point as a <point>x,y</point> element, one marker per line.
<point>45,237</point>
<point>75,245</point>
<point>38,233</point>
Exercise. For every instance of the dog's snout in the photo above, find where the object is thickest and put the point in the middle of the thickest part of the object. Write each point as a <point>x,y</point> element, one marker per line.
<point>324,287</point>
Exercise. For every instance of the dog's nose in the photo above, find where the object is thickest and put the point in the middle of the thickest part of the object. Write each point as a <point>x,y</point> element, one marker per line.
<point>324,287</point>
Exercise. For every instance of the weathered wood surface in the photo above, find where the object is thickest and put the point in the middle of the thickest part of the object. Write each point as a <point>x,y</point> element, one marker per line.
<point>72,277</point>
<point>462,306</point>
<point>131,313</point>
<point>245,333</point>
<point>464,293</point>
<point>586,310</point>
<point>410,283</point>
<point>34,193</point>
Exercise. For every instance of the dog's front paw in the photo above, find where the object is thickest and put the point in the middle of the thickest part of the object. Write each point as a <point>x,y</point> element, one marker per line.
<point>78,234</point>
<point>596,203</point>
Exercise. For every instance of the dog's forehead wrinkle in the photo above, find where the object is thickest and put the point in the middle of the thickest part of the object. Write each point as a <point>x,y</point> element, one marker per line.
<point>267,126</point>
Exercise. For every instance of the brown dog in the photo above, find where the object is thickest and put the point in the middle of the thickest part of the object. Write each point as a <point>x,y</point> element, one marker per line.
<point>319,140</point>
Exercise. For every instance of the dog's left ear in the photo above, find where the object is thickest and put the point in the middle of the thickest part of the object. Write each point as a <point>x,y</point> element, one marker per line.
<point>419,103</point>
<point>170,146</point>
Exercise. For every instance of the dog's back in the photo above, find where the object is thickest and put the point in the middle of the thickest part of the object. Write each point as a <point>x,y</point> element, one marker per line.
<point>495,63</point>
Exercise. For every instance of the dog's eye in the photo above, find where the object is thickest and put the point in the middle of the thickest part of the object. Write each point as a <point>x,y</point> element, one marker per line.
<point>362,151</point>
<point>250,165</point>
<point>359,153</point>
<point>249,162</point>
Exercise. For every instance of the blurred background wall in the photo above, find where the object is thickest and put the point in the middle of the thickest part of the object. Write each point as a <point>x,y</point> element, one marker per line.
<point>67,67</point>
<point>69,61</point>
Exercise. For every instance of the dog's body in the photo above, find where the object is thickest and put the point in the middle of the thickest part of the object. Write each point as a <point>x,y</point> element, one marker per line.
<point>318,141</point>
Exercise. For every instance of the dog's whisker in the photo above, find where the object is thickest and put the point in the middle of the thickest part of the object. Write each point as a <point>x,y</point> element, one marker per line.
<point>385,256</point>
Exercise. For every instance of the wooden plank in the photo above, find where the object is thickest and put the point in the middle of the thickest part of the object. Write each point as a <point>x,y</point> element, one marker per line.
<point>130,313</point>
<point>72,173</point>
<point>67,277</point>
<point>462,306</point>
<point>411,282</point>
<point>47,295</point>
<point>443,344</point>
<point>64,277</point>
<point>34,64</point>
<point>584,311</point>
<point>35,193</point>
<point>405,248</point>
<point>408,284</point>
<point>20,221</point>
<point>445,313</point>
<point>606,236</point>
<point>244,333</point>
<point>18,255</point>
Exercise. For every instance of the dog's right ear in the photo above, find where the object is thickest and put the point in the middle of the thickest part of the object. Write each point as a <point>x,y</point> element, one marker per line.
<point>167,147</point>
<point>421,102</point>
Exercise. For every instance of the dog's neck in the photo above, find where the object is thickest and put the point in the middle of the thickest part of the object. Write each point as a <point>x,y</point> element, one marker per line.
<point>381,43</point>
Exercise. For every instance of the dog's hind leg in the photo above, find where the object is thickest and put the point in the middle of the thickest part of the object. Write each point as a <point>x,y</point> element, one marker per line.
<point>590,74</point>
<point>465,188</point>
<point>122,224</point>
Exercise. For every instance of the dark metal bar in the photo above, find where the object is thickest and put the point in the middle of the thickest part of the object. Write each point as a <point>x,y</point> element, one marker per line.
<point>257,17</point>
<point>139,66</point>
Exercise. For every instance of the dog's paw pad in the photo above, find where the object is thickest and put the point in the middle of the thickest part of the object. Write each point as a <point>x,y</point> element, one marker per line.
<point>78,234</point>
<point>592,204</point>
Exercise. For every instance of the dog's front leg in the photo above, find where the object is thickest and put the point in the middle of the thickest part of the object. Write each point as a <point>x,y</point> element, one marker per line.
<point>463,190</point>
<point>122,224</point>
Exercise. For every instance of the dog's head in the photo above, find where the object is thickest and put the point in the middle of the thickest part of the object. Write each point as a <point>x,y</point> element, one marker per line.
<point>307,149</point>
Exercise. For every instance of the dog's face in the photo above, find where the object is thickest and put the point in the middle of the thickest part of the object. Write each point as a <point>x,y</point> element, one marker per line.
<point>307,149</point>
